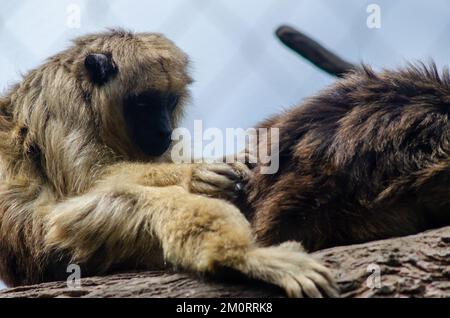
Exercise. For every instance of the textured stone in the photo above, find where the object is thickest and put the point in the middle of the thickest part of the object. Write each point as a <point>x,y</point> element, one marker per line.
<point>412,266</point>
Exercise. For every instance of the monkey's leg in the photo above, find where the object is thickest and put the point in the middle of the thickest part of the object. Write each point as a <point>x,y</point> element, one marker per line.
<point>200,234</point>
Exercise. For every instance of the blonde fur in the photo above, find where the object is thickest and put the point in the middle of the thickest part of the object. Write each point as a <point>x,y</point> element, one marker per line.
<point>75,188</point>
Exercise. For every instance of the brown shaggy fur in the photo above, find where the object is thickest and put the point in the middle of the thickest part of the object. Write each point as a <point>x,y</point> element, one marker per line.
<point>78,184</point>
<point>366,159</point>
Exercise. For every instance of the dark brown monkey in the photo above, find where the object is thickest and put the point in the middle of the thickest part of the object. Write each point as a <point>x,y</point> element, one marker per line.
<point>366,159</point>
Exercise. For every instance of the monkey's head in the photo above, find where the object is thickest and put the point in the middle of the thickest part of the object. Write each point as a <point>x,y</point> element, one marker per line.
<point>137,81</point>
<point>129,88</point>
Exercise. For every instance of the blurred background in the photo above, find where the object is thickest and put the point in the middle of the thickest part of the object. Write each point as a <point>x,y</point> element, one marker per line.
<point>242,72</point>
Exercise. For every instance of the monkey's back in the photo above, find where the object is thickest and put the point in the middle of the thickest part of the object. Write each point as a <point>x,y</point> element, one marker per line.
<point>365,159</point>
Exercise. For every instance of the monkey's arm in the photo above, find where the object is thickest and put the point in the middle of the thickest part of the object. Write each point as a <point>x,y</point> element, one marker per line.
<point>218,180</point>
<point>126,222</point>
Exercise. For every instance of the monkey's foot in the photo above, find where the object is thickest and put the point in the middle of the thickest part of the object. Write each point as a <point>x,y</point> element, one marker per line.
<point>219,180</point>
<point>290,268</point>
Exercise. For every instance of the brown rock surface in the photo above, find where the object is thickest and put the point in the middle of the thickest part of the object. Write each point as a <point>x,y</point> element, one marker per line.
<point>413,266</point>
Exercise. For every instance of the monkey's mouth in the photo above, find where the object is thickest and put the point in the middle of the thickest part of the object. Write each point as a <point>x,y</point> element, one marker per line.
<point>149,120</point>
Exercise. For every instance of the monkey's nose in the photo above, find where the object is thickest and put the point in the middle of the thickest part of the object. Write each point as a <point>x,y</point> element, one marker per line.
<point>163,135</point>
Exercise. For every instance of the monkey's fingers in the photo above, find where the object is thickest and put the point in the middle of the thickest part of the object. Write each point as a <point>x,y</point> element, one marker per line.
<point>320,272</point>
<point>224,169</point>
<point>313,283</point>
<point>236,171</point>
<point>329,288</point>
<point>219,177</point>
<point>309,287</point>
<point>244,157</point>
<point>242,170</point>
<point>212,178</point>
<point>211,190</point>
<point>325,272</point>
<point>291,286</point>
<point>296,272</point>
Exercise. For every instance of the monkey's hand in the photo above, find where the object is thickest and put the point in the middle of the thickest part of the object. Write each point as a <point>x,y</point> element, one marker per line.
<point>290,268</point>
<point>245,157</point>
<point>219,180</point>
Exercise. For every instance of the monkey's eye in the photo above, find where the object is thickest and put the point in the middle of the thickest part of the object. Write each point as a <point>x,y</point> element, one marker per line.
<point>172,101</point>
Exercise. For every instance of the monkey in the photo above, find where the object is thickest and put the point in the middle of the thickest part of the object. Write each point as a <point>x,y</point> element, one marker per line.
<point>365,159</point>
<point>87,177</point>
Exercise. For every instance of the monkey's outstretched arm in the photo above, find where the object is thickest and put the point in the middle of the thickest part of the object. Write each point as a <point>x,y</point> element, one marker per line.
<point>128,221</point>
<point>218,180</point>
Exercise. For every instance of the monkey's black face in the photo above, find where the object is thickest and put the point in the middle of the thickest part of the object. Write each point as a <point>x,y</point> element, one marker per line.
<point>149,120</point>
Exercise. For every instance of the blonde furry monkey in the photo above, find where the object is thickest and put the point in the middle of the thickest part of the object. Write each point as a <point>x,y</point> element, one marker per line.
<point>86,176</point>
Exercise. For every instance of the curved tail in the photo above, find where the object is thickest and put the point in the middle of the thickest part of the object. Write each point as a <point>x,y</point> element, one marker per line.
<point>314,52</point>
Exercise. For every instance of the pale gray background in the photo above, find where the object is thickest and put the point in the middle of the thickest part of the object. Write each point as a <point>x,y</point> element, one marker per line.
<point>242,72</point>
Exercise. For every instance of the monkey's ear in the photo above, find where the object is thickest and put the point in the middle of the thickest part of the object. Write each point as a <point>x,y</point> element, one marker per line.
<point>101,67</point>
